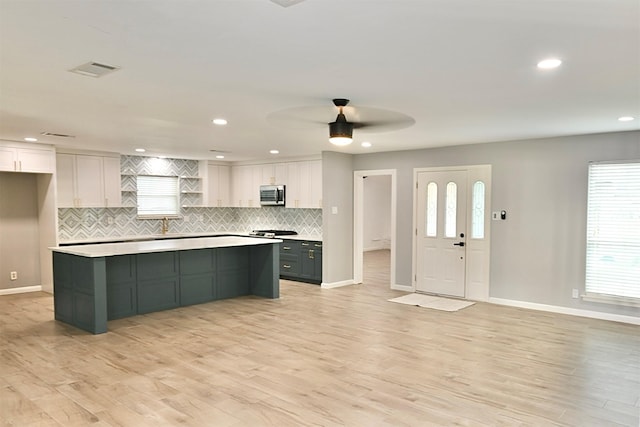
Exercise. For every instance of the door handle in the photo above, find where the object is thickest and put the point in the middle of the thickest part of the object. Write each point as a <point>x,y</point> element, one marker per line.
<point>461,244</point>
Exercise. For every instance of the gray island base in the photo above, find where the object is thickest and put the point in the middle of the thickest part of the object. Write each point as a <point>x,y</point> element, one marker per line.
<point>97,283</point>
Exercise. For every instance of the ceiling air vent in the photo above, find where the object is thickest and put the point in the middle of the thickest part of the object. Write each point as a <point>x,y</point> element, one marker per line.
<point>94,69</point>
<point>59,135</point>
<point>287,3</point>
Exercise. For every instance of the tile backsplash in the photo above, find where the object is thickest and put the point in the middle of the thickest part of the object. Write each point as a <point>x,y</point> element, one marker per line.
<point>78,224</point>
<point>86,223</point>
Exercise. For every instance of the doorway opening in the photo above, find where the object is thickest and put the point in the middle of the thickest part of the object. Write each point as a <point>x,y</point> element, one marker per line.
<point>375,224</point>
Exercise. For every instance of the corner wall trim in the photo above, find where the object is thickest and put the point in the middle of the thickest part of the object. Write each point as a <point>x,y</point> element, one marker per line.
<point>565,310</point>
<point>337,284</point>
<point>21,290</point>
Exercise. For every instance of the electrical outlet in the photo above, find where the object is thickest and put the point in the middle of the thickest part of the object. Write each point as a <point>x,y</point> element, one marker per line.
<point>14,275</point>
<point>575,293</point>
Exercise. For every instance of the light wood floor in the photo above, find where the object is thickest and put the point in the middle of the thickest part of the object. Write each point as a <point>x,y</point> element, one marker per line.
<point>318,357</point>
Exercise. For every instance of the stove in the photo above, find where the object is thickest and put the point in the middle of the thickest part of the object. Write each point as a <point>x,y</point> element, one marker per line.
<point>272,233</point>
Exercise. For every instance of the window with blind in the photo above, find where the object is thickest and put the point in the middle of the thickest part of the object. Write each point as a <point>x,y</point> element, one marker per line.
<point>158,196</point>
<point>613,231</point>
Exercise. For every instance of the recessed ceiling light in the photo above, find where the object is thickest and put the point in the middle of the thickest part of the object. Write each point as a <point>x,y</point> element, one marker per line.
<point>274,152</point>
<point>31,139</point>
<point>140,150</point>
<point>622,119</point>
<point>219,122</point>
<point>366,144</point>
<point>219,157</point>
<point>550,63</point>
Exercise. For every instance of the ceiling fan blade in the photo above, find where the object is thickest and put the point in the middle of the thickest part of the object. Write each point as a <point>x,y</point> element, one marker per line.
<point>366,118</point>
<point>384,125</point>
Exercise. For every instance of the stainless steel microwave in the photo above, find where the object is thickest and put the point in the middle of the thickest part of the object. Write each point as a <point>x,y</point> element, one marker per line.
<point>272,195</point>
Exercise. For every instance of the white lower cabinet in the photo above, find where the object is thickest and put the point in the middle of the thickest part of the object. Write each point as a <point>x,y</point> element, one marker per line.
<point>19,158</point>
<point>87,181</point>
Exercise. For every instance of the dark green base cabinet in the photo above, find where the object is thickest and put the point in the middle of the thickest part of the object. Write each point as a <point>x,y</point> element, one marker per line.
<point>301,261</point>
<point>90,291</point>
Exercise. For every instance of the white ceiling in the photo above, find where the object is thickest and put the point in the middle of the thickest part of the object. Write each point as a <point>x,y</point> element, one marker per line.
<point>465,70</point>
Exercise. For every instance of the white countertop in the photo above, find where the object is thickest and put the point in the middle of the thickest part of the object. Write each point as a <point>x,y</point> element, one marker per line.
<point>162,245</point>
<point>138,238</point>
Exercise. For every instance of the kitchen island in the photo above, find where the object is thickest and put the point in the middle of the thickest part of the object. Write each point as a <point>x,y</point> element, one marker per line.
<point>101,282</point>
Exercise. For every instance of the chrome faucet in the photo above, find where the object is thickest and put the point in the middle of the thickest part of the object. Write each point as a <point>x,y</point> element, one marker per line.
<point>165,225</point>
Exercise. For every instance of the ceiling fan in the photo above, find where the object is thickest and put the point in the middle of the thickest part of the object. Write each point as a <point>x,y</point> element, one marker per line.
<point>341,131</point>
<point>367,119</point>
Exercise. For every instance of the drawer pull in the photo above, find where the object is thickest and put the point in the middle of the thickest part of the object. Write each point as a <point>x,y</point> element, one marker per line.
<point>318,245</point>
<point>286,266</point>
<point>286,248</point>
<point>305,244</point>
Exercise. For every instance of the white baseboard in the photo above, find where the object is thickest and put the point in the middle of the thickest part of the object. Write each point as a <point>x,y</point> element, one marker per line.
<point>403,288</point>
<point>21,290</point>
<point>565,310</point>
<point>376,248</point>
<point>337,284</point>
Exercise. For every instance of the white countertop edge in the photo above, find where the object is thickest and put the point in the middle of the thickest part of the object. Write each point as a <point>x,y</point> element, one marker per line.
<point>165,245</point>
<point>138,238</point>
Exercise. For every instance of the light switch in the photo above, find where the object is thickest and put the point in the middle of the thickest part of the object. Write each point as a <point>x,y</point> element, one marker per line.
<point>334,210</point>
<point>495,216</point>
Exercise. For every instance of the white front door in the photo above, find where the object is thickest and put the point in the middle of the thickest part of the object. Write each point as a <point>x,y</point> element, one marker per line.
<point>441,232</point>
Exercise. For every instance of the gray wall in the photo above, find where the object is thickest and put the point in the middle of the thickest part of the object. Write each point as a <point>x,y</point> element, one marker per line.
<point>538,253</point>
<point>19,230</point>
<point>337,229</point>
<point>376,201</point>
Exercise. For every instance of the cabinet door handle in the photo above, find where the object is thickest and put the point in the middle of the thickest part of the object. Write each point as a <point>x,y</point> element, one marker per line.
<point>15,165</point>
<point>317,245</point>
<point>20,163</point>
<point>286,266</point>
<point>311,254</point>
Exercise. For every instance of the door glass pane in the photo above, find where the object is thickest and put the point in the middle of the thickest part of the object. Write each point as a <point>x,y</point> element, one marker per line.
<point>432,209</point>
<point>477,218</point>
<point>451,210</point>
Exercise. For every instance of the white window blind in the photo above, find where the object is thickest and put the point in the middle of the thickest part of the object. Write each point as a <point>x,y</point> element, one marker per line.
<point>158,196</point>
<point>613,230</point>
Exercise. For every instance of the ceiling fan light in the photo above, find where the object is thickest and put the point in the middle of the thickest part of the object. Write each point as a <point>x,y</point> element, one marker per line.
<point>340,140</point>
<point>340,131</point>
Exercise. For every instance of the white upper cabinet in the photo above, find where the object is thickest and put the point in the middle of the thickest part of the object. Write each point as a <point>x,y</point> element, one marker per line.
<point>274,174</point>
<point>239,186</point>
<point>304,184</point>
<point>245,186</point>
<point>17,157</point>
<point>112,182</point>
<point>87,181</point>
<point>219,186</point>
